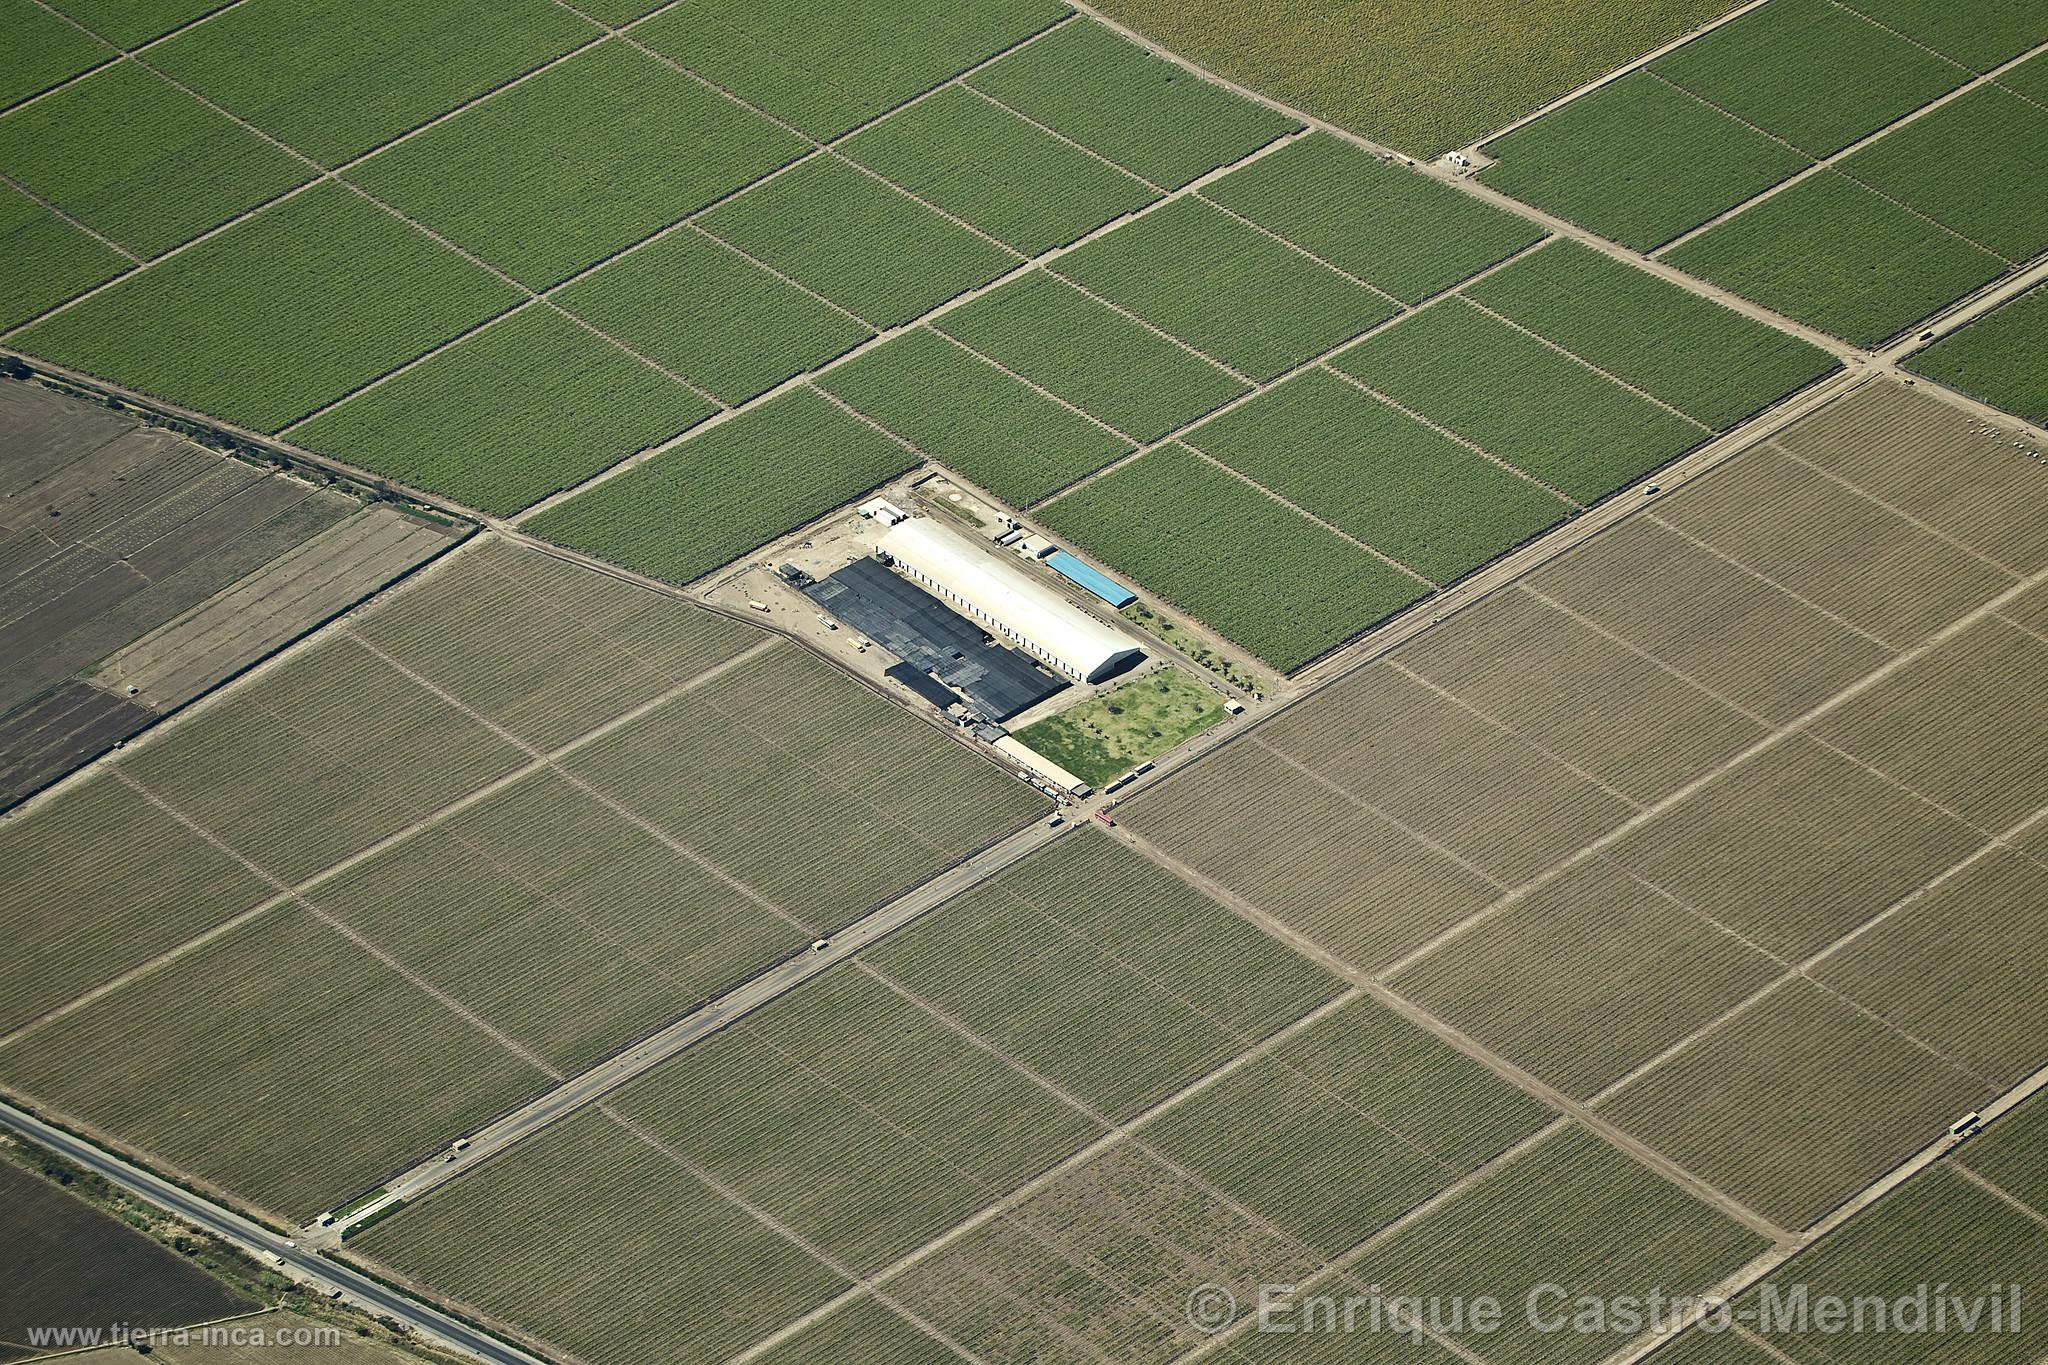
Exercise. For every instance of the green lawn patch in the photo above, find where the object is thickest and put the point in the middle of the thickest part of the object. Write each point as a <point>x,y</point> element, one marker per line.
<point>1255,570</point>
<point>316,75</point>
<point>577,163</point>
<point>1811,72</point>
<point>1706,360</point>
<point>524,408</point>
<point>1393,482</point>
<point>52,260</point>
<point>1404,232</point>
<point>1998,358</point>
<point>129,23</point>
<point>1015,182</point>
<point>1102,739</point>
<point>1141,111</point>
<point>1964,164</point>
<point>830,67</point>
<point>1100,361</point>
<point>1224,288</point>
<point>1982,35</point>
<point>129,155</point>
<point>1831,253</point>
<point>871,249</point>
<point>42,50</point>
<point>1638,161</point>
<point>705,311</point>
<point>278,316</point>
<point>966,413</point>
<point>1515,398</point>
<point>738,485</point>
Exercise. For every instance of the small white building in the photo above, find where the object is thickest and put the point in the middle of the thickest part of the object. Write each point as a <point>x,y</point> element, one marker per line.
<point>882,510</point>
<point>999,594</point>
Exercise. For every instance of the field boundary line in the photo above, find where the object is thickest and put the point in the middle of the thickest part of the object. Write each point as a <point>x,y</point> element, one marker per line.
<point>1576,358</point>
<point>1034,386</point>
<point>1999,1192</point>
<point>1328,525</point>
<point>84,227</point>
<point>924,457</point>
<point>1751,571</point>
<point>2022,627</point>
<point>1779,734</point>
<point>118,52</point>
<point>1400,305</point>
<point>1197,352</point>
<point>1494,722</point>
<point>1903,37</point>
<point>1953,542</point>
<point>1014,112</point>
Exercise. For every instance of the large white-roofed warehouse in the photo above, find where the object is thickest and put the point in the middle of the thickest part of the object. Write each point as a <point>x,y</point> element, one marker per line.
<point>1003,596</point>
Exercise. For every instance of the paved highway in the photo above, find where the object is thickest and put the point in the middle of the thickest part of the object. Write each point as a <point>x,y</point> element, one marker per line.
<point>264,1244</point>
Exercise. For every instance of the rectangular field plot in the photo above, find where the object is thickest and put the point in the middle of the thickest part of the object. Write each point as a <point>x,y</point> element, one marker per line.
<point>1709,362</point>
<point>1960,967</point>
<point>1096,1265</point>
<point>131,156</point>
<point>1018,183</point>
<point>1395,229</point>
<point>534,1239</point>
<point>1585,162</point>
<point>1831,253</point>
<point>1563,686</point>
<point>1396,484</point>
<point>1587,977</point>
<point>1996,358</point>
<point>972,417</point>
<point>583,160</point>
<point>524,408</point>
<point>1935,463</point>
<point>870,248</point>
<point>1258,571</point>
<point>263,1062</point>
<point>1933,164</point>
<point>1224,288</point>
<point>1095,358</point>
<point>1571,1210</point>
<point>280,314</point>
<point>1795,847</point>
<point>1835,547</point>
<point>1810,72</point>
<point>1343,876</point>
<point>1796,1103</point>
<point>1509,394</point>
<point>820,795</point>
<point>1709,620</point>
<point>98,881</point>
<point>1095,968</point>
<point>1139,110</point>
<point>318,759</point>
<point>1338,1130</point>
<point>55,260</point>
<point>321,79</point>
<point>828,68</point>
<point>700,308</point>
<point>1978,36</point>
<point>729,489</point>
<point>856,1117</point>
<point>45,51</point>
<point>545,648</point>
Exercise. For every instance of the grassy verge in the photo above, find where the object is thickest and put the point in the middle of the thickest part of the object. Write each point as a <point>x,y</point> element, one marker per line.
<point>1098,740</point>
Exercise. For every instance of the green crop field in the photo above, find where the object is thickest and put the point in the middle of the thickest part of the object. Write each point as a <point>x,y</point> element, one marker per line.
<point>316,77</point>
<point>127,23</point>
<point>1979,36</point>
<point>1257,571</point>
<point>1019,184</point>
<point>1403,232</point>
<point>500,420</point>
<point>1507,393</point>
<point>281,315</point>
<point>1587,162</point>
<point>700,308</point>
<point>1101,971</point>
<point>1346,1125</point>
<point>55,260</point>
<point>130,156</point>
<point>1386,478</point>
<point>44,51</point>
<point>1100,361</point>
<point>1831,253</point>
<point>581,161</point>
<point>728,489</point>
<point>2029,78</point>
<point>828,68</point>
<point>1100,739</point>
<point>1224,288</point>
<point>1708,361</point>
<point>1810,72</point>
<point>1936,165</point>
<point>871,249</point>
<point>970,416</point>
<point>1139,110</point>
<point>1998,357</point>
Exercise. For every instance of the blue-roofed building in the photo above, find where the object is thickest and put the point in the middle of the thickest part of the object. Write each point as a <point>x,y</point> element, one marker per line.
<point>1102,585</point>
